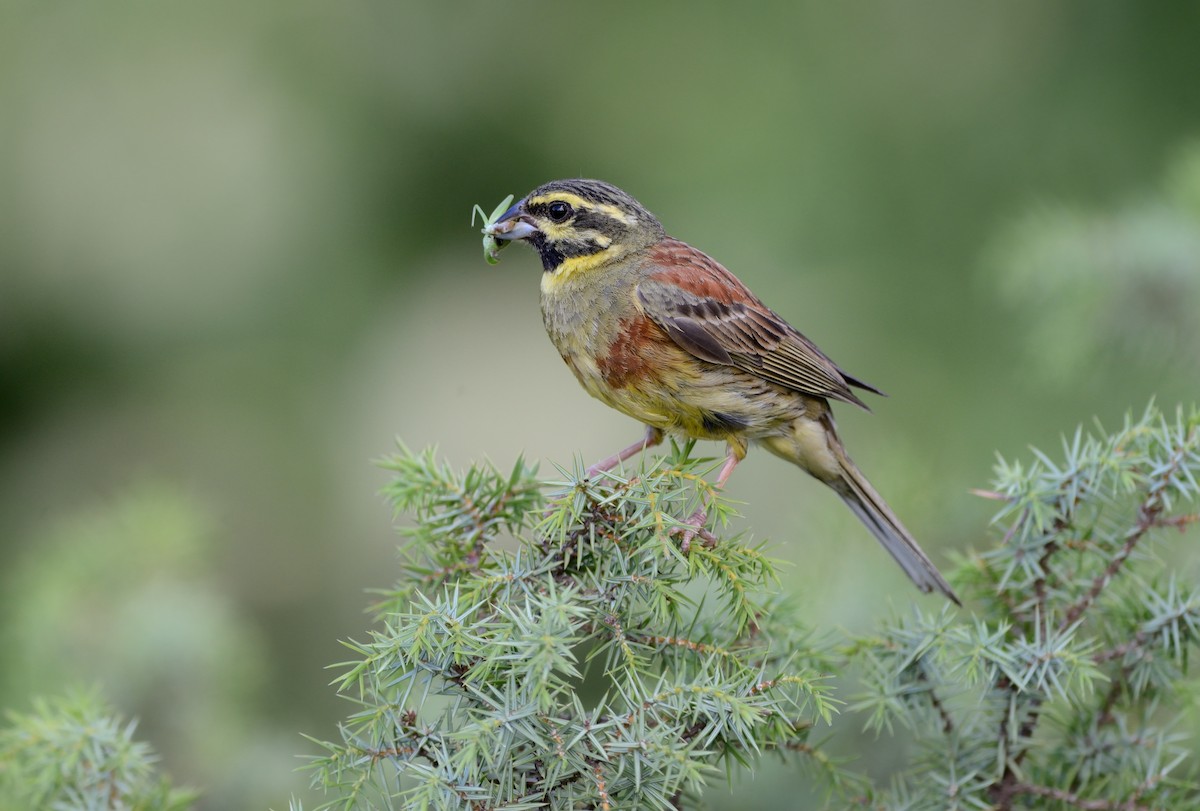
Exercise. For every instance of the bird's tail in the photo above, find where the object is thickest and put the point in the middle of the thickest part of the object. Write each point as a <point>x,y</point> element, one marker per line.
<point>816,447</point>
<point>873,511</point>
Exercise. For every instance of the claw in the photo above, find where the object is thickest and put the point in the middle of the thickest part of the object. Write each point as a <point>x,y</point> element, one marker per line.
<point>695,529</point>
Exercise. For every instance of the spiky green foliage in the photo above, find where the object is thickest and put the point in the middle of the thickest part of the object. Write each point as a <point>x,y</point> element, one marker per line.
<point>75,753</point>
<point>567,653</point>
<point>1066,689</point>
<point>587,662</point>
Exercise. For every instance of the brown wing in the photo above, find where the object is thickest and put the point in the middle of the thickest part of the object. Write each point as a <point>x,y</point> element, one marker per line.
<point>710,313</point>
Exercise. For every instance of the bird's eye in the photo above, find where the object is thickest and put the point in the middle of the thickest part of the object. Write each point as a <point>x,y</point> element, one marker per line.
<point>559,211</point>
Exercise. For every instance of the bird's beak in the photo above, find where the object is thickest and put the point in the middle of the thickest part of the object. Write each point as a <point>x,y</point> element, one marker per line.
<point>513,224</point>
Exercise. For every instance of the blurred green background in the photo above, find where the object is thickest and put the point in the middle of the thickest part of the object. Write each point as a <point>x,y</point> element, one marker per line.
<point>236,262</point>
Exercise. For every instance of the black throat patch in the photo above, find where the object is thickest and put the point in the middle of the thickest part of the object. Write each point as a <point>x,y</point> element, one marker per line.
<point>554,253</point>
<point>551,256</point>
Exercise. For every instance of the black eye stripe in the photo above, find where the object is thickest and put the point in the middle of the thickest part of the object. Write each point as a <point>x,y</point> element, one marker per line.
<point>549,210</point>
<point>585,218</point>
<point>598,221</point>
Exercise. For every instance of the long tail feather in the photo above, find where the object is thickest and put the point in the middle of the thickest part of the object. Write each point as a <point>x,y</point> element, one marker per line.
<point>873,511</point>
<point>813,444</point>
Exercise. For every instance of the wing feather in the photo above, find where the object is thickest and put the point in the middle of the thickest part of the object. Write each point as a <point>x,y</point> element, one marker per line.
<point>707,311</point>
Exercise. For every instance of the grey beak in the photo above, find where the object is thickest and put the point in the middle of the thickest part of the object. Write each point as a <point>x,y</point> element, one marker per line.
<point>513,224</point>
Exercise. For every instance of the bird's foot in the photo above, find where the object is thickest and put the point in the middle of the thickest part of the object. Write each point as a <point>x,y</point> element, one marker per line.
<point>694,528</point>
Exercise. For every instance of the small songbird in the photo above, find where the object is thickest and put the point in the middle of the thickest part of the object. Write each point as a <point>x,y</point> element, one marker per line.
<point>663,333</point>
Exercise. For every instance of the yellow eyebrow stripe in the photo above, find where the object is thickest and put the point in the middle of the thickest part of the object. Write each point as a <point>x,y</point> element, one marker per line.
<point>564,196</point>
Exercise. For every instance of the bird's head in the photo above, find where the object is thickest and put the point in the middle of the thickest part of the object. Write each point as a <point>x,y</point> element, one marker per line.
<point>578,224</point>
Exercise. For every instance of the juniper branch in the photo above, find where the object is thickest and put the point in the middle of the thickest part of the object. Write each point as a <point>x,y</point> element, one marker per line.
<point>1073,800</point>
<point>1051,696</point>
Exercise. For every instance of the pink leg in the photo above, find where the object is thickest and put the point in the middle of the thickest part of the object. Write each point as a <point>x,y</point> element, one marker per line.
<point>731,461</point>
<point>700,516</point>
<point>652,438</point>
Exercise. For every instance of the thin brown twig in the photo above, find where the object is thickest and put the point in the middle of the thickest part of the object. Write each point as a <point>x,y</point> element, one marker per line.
<point>681,642</point>
<point>943,713</point>
<point>1039,585</point>
<point>1147,513</point>
<point>936,702</point>
<point>1120,651</point>
<point>1149,517</point>
<point>1072,799</point>
<point>1179,522</point>
<point>1117,687</point>
<point>990,495</point>
<point>1107,716</point>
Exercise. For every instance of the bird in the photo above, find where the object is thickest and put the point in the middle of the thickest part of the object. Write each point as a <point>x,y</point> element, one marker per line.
<point>665,334</point>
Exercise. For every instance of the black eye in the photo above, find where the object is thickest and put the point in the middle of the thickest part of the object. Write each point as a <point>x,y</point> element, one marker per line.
<point>559,211</point>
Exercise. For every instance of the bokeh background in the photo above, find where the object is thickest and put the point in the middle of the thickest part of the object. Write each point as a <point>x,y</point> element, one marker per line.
<point>236,263</point>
